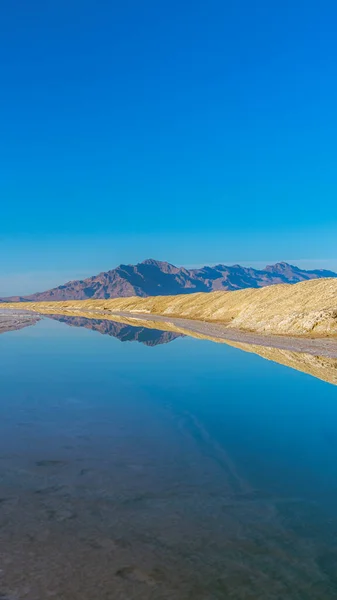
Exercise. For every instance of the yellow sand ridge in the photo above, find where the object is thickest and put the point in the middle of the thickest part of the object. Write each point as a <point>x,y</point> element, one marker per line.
<point>306,308</point>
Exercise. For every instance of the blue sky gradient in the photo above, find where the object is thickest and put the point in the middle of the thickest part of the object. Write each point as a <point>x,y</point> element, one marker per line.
<point>195,132</point>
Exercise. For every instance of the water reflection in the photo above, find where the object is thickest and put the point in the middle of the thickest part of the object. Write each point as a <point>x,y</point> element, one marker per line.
<point>321,367</point>
<point>121,331</point>
<point>194,472</point>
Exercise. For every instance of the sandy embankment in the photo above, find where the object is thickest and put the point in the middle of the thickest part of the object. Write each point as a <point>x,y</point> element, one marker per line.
<point>305,309</point>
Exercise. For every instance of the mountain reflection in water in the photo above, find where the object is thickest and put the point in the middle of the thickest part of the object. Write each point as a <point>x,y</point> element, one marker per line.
<point>121,331</point>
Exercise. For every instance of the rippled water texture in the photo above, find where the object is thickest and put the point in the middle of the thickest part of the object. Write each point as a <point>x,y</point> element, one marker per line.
<point>147,465</point>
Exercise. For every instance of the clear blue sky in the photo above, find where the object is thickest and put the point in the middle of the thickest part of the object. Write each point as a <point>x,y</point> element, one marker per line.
<point>189,131</point>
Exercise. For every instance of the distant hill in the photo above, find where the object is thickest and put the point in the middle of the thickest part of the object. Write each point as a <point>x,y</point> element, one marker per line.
<point>156,278</point>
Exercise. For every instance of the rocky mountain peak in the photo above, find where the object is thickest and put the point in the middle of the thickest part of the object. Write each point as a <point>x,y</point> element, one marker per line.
<point>158,278</point>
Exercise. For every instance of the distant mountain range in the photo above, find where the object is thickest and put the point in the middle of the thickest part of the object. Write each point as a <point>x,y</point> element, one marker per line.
<point>156,278</point>
<point>125,333</point>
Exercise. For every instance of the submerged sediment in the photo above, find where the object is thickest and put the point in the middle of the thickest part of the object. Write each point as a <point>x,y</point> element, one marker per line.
<point>10,321</point>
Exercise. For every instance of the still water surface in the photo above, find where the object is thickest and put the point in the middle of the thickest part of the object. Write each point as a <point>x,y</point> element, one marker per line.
<point>171,468</point>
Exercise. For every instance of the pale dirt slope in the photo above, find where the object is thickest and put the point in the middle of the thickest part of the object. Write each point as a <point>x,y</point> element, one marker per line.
<point>306,308</point>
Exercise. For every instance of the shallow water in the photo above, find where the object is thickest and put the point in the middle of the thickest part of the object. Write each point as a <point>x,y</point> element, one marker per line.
<point>173,468</point>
